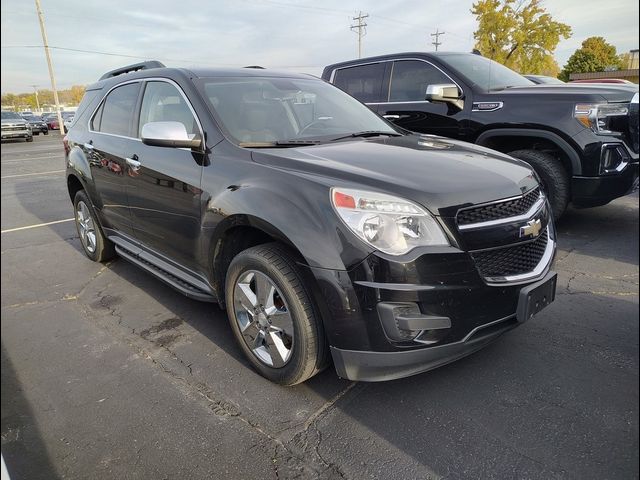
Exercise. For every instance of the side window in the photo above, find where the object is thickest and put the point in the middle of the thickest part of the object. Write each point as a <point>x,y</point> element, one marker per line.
<point>410,78</point>
<point>162,102</point>
<point>116,113</point>
<point>363,82</point>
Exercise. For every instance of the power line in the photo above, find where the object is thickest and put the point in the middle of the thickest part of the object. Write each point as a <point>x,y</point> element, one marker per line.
<point>362,30</point>
<point>437,35</point>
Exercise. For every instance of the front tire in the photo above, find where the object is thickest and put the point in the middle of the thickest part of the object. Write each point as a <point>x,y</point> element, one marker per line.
<point>29,139</point>
<point>273,316</point>
<point>555,178</point>
<point>95,245</point>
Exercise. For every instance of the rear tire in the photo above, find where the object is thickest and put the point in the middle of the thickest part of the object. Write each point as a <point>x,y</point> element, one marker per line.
<point>555,179</point>
<point>273,316</point>
<point>94,243</point>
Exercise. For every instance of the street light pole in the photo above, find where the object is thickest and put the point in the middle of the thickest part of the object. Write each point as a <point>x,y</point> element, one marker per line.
<point>35,89</point>
<point>50,65</point>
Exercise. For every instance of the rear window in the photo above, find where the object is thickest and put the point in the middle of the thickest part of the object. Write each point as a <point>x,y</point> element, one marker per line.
<point>363,82</point>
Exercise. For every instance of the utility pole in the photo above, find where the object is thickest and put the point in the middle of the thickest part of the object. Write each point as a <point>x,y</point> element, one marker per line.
<point>50,65</point>
<point>35,89</point>
<point>361,28</point>
<point>437,35</point>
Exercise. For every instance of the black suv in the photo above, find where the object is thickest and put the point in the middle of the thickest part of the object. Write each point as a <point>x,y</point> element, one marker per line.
<point>582,140</point>
<point>321,227</point>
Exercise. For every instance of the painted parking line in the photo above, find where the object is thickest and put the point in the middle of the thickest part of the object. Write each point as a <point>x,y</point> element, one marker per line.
<point>37,225</point>
<point>32,174</point>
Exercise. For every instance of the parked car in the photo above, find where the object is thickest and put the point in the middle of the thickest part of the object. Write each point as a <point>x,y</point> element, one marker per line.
<point>578,138</point>
<point>543,80</point>
<point>319,226</point>
<point>67,121</point>
<point>37,124</point>
<point>14,126</point>
<point>51,120</point>
<point>604,80</point>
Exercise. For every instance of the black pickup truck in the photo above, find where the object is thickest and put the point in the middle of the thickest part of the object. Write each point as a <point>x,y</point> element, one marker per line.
<point>582,140</point>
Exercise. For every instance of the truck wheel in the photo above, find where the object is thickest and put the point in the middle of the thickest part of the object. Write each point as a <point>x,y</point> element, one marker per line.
<point>29,139</point>
<point>272,315</point>
<point>95,245</point>
<point>554,177</point>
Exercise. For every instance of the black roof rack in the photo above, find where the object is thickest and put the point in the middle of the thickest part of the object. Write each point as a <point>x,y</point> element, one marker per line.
<point>133,68</point>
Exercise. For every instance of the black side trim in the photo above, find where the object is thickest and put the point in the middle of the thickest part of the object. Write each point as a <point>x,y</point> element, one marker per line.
<point>179,284</point>
<point>576,165</point>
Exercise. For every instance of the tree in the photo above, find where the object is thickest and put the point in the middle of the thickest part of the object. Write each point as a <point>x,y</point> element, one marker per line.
<point>520,35</point>
<point>595,55</point>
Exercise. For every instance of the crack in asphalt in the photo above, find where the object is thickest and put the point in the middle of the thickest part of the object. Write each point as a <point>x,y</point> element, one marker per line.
<point>297,461</point>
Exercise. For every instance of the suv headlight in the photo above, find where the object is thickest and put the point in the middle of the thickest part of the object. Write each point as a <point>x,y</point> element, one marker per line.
<point>387,223</point>
<point>601,118</point>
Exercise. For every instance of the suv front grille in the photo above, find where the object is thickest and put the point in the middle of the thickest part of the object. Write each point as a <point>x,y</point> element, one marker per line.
<point>513,260</point>
<point>499,210</point>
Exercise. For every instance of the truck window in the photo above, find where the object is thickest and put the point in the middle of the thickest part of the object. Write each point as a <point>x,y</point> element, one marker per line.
<point>410,78</point>
<point>363,82</point>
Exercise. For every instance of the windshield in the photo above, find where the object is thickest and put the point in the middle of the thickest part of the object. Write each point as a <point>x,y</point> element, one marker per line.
<point>10,116</point>
<point>270,110</point>
<point>486,74</point>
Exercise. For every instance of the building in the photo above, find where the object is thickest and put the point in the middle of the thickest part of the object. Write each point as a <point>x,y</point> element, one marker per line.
<point>630,73</point>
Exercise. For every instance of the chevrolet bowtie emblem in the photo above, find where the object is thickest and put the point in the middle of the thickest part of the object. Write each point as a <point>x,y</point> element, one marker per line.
<point>531,229</point>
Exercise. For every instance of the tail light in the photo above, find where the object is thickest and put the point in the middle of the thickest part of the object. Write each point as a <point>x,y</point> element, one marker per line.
<point>65,143</point>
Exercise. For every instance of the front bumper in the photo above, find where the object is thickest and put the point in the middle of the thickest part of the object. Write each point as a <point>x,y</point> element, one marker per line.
<point>596,191</point>
<point>16,134</point>
<point>370,366</point>
<point>442,288</point>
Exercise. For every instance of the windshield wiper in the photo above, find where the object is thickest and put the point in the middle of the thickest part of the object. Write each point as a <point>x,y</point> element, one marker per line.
<point>367,133</point>
<point>279,143</point>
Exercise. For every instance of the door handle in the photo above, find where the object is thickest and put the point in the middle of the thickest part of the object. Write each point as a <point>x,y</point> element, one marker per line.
<point>391,117</point>
<point>134,163</point>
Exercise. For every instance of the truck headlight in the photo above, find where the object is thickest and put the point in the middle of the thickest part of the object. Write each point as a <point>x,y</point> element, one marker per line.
<point>387,223</point>
<point>602,118</point>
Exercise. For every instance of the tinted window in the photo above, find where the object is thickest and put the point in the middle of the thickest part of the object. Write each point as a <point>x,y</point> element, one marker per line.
<point>410,79</point>
<point>363,82</point>
<point>163,102</point>
<point>269,109</point>
<point>117,110</point>
<point>485,73</point>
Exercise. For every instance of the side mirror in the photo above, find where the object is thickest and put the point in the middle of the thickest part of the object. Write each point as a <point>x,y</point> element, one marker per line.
<point>446,93</point>
<point>168,134</point>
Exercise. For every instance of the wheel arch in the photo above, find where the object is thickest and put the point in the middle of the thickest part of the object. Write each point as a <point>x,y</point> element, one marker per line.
<point>509,139</point>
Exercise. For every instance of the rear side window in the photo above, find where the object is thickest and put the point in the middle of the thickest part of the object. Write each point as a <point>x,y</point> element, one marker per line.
<point>363,82</point>
<point>410,79</point>
<point>163,102</point>
<point>116,112</point>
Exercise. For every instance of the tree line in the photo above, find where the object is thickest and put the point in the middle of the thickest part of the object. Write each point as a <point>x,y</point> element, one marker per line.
<point>521,35</point>
<point>27,101</point>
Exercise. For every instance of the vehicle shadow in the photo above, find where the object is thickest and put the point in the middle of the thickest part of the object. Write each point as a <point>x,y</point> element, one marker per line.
<point>23,448</point>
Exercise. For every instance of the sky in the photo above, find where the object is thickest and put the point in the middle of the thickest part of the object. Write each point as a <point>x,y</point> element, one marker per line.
<point>299,35</point>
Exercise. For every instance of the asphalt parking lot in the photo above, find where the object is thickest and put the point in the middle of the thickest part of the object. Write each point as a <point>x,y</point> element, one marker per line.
<point>108,373</point>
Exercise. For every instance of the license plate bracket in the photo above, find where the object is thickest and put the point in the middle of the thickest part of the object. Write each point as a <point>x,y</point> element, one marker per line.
<point>537,296</point>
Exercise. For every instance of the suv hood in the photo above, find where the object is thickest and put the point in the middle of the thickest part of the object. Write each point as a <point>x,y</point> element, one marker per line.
<point>441,174</point>
<point>577,92</point>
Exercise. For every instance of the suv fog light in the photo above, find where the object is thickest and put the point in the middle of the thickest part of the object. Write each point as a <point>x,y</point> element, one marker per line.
<point>404,322</point>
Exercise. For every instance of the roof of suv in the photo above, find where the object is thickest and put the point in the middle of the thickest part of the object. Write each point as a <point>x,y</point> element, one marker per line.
<point>111,78</point>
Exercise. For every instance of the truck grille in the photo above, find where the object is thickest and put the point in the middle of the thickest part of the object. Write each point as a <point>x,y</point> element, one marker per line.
<point>512,260</point>
<point>499,210</point>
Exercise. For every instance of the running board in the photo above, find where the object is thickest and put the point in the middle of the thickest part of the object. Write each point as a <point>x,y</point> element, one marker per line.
<point>179,284</point>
